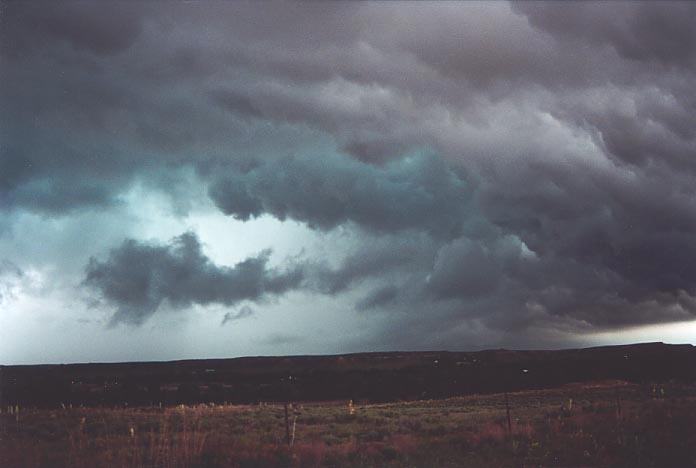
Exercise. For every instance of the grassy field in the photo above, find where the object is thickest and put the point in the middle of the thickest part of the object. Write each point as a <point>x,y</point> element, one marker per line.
<point>607,424</point>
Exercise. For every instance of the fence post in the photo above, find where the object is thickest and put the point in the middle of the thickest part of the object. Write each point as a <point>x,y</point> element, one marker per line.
<point>294,423</point>
<point>287,425</point>
<point>507,412</point>
<point>618,404</point>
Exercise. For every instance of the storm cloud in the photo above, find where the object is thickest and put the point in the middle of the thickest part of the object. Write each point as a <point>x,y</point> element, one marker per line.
<point>415,193</point>
<point>243,313</point>
<point>137,277</point>
<point>498,171</point>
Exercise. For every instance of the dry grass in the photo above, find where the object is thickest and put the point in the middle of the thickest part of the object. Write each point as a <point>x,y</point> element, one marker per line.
<point>547,430</point>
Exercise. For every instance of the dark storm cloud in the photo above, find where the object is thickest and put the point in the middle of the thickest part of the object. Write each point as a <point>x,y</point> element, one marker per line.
<point>369,261</point>
<point>377,258</point>
<point>651,31</point>
<point>464,269</point>
<point>137,277</point>
<point>599,237</point>
<point>103,29</point>
<point>243,313</point>
<point>418,193</point>
<point>559,190</point>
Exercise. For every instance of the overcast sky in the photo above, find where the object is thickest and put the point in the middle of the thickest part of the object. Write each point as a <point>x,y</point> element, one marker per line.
<point>199,179</point>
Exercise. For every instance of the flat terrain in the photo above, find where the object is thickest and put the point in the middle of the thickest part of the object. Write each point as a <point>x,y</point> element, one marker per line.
<point>368,377</point>
<point>610,423</point>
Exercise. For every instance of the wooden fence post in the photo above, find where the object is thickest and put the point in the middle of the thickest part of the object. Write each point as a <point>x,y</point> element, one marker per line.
<point>507,411</point>
<point>294,423</point>
<point>618,404</point>
<point>287,425</point>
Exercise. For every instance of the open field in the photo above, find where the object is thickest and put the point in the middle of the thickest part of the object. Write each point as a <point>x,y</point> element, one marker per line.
<point>592,424</point>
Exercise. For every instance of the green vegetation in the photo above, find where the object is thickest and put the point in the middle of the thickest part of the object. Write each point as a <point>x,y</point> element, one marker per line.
<point>608,424</point>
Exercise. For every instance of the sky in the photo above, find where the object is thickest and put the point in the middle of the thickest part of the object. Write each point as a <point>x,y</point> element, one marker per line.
<point>220,179</point>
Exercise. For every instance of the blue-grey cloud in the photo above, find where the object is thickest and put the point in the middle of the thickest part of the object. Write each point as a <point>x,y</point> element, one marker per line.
<point>417,193</point>
<point>558,187</point>
<point>243,313</point>
<point>137,277</point>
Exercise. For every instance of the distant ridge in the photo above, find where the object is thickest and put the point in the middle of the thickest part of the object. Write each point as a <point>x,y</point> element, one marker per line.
<point>362,353</point>
<point>371,376</point>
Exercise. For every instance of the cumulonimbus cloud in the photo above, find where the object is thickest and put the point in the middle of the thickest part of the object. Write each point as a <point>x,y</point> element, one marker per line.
<point>558,186</point>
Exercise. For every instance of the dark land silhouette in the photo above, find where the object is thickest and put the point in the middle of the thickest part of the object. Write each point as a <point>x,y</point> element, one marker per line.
<point>363,377</point>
